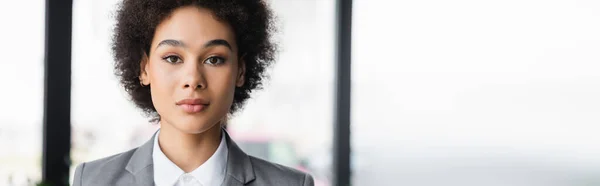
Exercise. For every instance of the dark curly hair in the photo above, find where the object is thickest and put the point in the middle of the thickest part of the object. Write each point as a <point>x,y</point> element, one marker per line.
<point>251,21</point>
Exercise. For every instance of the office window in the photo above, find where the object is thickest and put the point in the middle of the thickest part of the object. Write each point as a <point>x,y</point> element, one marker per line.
<point>104,122</point>
<point>476,93</point>
<point>22,81</point>
<point>290,121</point>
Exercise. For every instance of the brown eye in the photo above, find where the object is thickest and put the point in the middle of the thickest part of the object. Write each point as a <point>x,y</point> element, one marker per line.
<point>172,59</point>
<point>214,60</point>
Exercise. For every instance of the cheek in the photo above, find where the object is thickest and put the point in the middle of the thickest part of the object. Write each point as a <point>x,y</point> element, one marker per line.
<point>162,82</point>
<point>222,85</point>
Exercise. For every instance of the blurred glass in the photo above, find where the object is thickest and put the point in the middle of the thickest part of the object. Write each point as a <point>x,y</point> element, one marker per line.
<point>22,81</point>
<point>104,121</point>
<point>290,121</point>
<point>476,93</point>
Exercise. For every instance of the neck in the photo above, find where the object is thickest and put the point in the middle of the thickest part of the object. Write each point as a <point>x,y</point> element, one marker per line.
<point>188,151</point>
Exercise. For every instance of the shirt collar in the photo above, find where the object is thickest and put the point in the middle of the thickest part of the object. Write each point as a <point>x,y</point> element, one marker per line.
<point>211,172</point>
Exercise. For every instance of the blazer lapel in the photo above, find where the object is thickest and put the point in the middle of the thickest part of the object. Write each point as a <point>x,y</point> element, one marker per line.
<point>239,168</point>
<point>145,176</point>
<point>231,181</point>
<point>140,164</point>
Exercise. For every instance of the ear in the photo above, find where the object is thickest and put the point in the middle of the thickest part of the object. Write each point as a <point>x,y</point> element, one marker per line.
<point>241,71</point>
<point>144,80</point>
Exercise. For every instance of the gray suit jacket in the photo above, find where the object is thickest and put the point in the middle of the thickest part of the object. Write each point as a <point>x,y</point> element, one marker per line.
<point>134,167</point>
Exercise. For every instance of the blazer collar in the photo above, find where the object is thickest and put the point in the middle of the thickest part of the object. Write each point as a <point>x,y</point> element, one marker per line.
<point>140,164</point>
<point>239,168</point>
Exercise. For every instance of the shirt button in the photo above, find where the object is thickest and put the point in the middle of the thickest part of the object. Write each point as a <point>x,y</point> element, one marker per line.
<point>187,178</point>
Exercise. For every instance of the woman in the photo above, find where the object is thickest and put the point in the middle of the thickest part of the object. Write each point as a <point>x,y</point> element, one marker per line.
<point>189,64</point>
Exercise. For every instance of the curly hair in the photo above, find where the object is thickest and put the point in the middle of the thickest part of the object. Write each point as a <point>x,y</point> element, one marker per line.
<point>136,22</point>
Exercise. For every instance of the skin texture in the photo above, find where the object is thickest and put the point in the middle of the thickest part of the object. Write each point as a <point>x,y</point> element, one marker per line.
<point>192,56</point>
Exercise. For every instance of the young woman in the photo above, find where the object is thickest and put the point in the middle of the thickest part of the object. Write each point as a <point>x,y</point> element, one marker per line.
<point>189,64</point>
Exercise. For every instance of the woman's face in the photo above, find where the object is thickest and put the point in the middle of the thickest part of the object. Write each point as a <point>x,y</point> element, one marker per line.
<point>192,70</point>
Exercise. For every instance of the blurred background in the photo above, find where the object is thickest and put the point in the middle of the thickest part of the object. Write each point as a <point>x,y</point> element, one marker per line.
<point>459,92</point>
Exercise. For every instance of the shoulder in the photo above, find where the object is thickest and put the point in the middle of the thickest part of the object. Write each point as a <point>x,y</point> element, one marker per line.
<point>277,174</point>
<point>104,169</point>
<point>114,162</point>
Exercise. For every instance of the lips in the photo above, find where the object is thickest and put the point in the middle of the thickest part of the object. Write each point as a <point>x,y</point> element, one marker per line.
<point>192,105</point>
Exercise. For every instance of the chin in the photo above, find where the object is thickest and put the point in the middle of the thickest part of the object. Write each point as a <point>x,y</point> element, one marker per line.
<point>194,125</point>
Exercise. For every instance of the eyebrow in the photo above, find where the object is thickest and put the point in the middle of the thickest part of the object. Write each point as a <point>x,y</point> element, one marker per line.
<point>217,42</point>
<point>171,42</point>
<point>211,43</point>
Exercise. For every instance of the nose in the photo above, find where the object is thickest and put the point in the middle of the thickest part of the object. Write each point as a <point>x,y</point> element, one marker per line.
<point>194,77</point>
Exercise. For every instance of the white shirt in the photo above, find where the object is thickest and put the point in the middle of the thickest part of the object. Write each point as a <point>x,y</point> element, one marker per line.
<point>211,173</point>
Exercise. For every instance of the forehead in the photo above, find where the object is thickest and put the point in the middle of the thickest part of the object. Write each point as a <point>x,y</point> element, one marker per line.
<point>194,26</point>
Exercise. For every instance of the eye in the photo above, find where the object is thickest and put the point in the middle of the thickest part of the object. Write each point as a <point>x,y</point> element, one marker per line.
<point>214,60</point>
<point>172,59</point>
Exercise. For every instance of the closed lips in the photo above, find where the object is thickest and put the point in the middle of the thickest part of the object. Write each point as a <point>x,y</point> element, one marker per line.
<point>192,105</point>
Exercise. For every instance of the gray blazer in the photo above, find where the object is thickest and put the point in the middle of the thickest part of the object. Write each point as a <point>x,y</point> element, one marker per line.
<point>134,167</point>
